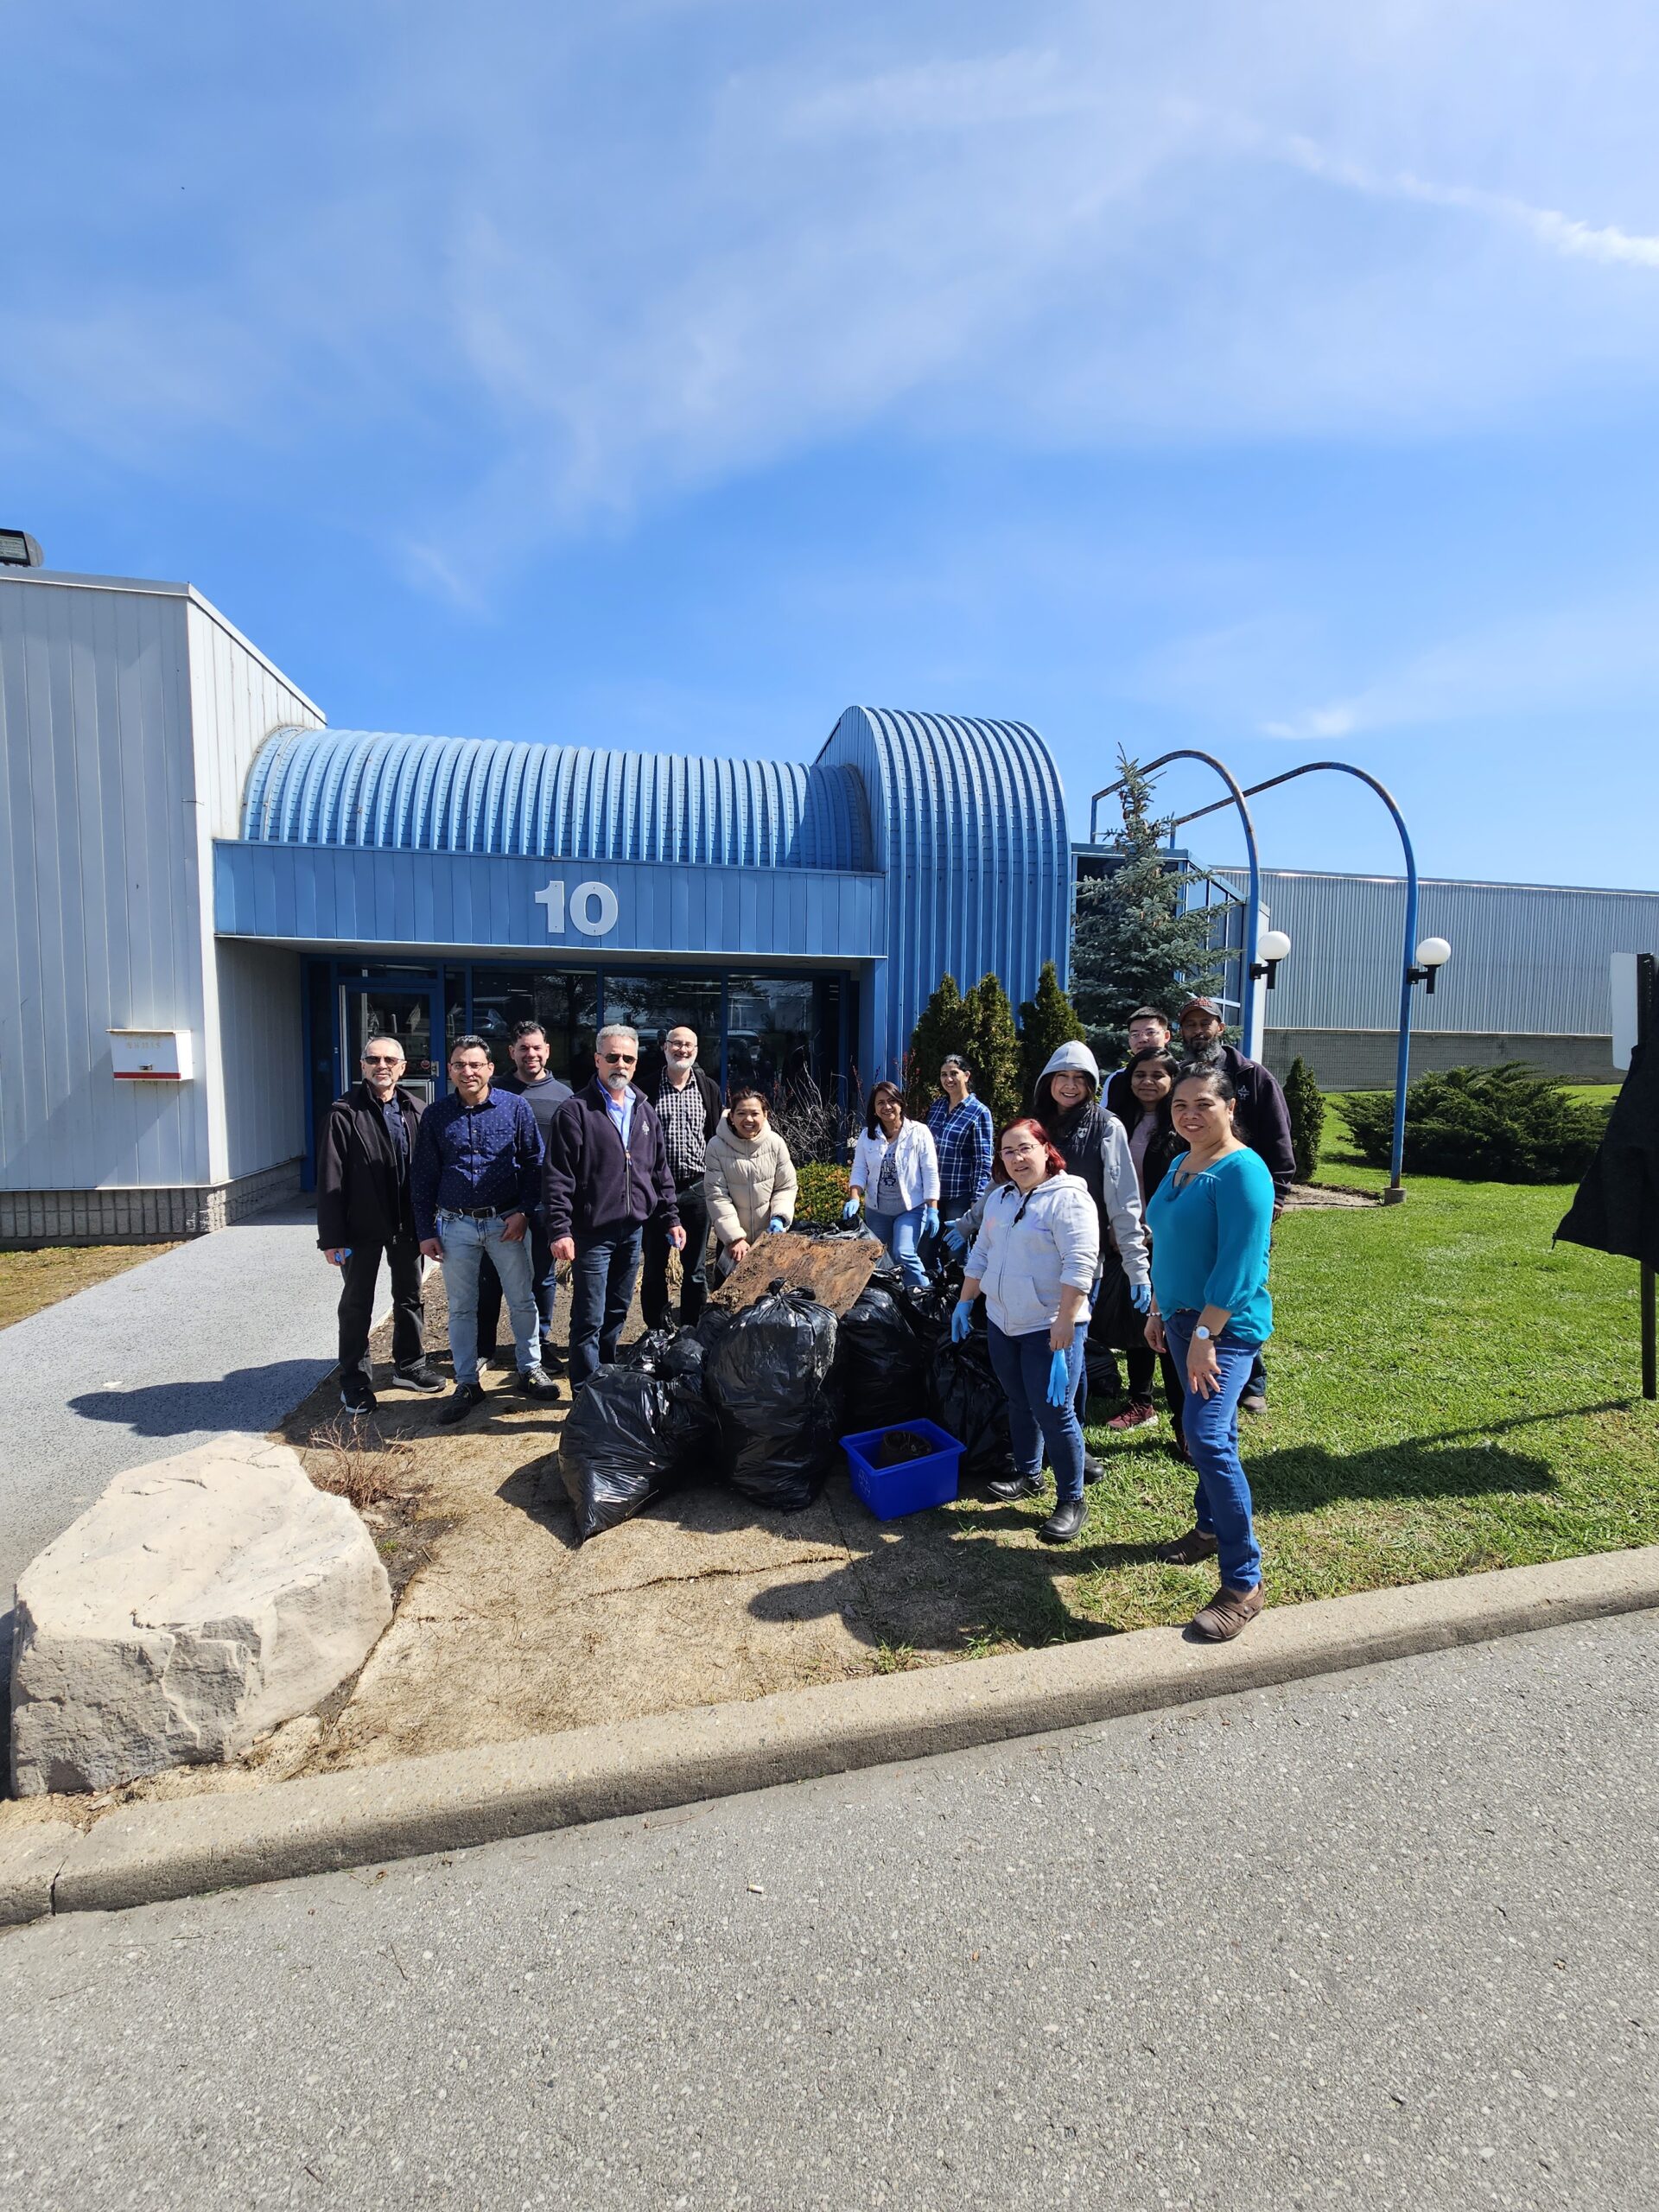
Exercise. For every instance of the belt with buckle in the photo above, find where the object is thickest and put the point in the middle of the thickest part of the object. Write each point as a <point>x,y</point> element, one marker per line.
<point>473,1213</point>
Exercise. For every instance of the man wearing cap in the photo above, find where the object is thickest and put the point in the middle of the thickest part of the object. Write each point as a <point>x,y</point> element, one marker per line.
<point>1262,1120</point>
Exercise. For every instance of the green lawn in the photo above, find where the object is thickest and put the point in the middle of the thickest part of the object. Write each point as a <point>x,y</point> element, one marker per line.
<point>1449,1393</point>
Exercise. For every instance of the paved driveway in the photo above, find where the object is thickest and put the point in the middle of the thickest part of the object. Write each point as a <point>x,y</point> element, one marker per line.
<point>226,1332</point>
<point>1388,1939</point>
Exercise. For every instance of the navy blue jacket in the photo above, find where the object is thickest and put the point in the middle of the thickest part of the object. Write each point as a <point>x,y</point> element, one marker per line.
<point>469,1157</point>
<point>589,1185</point>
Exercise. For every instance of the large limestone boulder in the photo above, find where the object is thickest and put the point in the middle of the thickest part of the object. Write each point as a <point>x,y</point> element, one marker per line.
<point>203,1599</point>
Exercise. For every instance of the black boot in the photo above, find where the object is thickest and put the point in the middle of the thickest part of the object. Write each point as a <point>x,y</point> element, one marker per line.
<point>1017,1486</point>
<point>1092,1470</point>
<point>1063,1524</point>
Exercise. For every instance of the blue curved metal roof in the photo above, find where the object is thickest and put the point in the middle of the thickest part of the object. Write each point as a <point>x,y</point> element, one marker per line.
<point>480,795</point>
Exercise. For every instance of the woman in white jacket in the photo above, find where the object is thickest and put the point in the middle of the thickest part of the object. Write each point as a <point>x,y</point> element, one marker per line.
<point>1036,1257</point>
<point>896,1173</point>
<point>748,1176</point>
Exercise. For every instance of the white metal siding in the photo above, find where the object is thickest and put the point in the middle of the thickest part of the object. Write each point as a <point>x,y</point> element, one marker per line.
<point>1526,959</point>
<point>101,891</point>
<point>255,1090</point>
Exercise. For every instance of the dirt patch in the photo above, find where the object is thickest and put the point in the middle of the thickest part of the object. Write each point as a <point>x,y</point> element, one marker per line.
<point>31,1281</point>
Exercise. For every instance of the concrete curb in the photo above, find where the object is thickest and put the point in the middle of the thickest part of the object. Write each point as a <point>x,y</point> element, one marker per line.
<point>144,1853</point>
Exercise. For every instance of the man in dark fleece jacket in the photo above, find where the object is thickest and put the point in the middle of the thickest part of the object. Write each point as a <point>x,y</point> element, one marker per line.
<point>1262,1120</point>
<point>606,1175</point>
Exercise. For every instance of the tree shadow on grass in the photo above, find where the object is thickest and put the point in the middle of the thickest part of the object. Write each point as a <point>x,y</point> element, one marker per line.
<point>1299,1477</point>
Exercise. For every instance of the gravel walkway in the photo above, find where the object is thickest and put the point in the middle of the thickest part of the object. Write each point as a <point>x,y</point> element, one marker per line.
<point>227,1331</point>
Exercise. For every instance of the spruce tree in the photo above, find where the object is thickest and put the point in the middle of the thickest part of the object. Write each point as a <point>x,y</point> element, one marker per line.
<point>1046,1022</point>
<point>1132,944</point>
<point>994,1051</point>
<point>946,1025</point>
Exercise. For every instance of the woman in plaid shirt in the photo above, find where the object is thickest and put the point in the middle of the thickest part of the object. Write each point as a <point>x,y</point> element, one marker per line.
<point>960,1125</point>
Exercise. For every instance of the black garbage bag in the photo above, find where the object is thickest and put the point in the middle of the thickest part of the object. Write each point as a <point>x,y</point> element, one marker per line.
<point>880,1360</point>
<point>645,1354</point>
<point>969,1403</point>
<point>768,1378</point>
<point>628,1438</point>
<point>682,1360</point>
<point>928,1311</point>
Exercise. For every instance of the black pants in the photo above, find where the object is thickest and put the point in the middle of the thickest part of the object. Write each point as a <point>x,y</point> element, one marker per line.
<point>541,1283</point>
<point>358,1278</point>
<point>692,1200</point>
<point>1141,1362</point>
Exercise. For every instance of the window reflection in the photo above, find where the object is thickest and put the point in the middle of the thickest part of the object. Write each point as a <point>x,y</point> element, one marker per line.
<point>655,1004</point>
<point>564,1002</point>
<point>771,1034</point>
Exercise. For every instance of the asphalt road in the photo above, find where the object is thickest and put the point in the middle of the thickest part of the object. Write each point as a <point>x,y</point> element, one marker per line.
<point>226,1332</point>
<point>1386,1939</point>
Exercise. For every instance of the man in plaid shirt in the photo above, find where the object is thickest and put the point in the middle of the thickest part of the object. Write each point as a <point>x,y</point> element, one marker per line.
<point>962,1136</point>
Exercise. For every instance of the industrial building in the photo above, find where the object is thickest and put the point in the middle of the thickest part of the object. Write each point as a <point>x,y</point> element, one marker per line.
<point>213,900</point>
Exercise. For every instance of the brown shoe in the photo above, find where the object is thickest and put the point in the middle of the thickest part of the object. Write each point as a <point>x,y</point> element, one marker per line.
<point>1227,1612</point>
<point>1188,1550</point>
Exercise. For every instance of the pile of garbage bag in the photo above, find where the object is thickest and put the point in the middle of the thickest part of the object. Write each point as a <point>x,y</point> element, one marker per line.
<point>630,1436</point>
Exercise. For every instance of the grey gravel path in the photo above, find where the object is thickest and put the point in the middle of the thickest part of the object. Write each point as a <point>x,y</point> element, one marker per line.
<point>1387,1939</point>
<point>226,1332</point>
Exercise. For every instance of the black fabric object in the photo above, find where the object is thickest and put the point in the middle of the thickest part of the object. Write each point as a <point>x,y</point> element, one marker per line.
<point>969,1403</point>
<point>629,1437</point>
<point>1617,1209</point>
<point>768,1378</point>
<point>900,1445</point>
<point>880,1360</point>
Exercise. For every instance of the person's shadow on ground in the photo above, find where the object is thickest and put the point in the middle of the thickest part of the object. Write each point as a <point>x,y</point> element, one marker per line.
<point>248,1397</point>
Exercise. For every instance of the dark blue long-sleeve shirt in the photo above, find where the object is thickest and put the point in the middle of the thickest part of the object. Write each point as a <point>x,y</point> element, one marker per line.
<point>474,1156</point>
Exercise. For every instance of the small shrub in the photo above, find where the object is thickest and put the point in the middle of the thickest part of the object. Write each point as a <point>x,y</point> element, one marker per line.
<point>1487,1125</point>
<point>821,1192</point>
<point>1306,1103</point>
<point>363,1470</point>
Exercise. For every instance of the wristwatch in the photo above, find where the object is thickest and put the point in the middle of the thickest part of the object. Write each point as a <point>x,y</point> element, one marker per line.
<point>1202,1332</point>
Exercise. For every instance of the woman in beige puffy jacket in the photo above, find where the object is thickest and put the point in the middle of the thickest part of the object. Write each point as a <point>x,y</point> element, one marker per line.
<point>748,1176</point>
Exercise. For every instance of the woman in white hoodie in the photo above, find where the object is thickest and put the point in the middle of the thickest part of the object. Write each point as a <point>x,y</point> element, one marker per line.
<point>748,1176</point>
<point>1036,1257</point>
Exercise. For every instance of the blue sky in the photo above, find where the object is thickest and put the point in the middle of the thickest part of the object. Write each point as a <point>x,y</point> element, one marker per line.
<point>1279,379</point>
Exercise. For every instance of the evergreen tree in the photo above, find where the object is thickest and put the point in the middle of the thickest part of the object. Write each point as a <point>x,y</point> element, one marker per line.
<point>946,1025</point>
<point>1131,943</point>
<point>1046,1022</point>
<point>1305,1101</point>
<point>994,1049</point>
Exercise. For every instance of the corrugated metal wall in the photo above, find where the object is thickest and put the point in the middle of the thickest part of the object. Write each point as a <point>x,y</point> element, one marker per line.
<point>1526,959</point>
<point>968,820</point>
<point>481,795</point>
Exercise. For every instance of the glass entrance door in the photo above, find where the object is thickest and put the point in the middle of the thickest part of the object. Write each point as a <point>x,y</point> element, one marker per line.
<point>407,1012</point>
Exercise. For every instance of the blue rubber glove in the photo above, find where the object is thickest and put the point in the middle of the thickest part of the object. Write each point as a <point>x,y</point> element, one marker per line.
<point>930,1221</point>
<point>775,1226</point>
<point>955,1241</point>
<point>1059,1378</point>
<point>1140,1297</point>
<point>962,1322</point>
<point>850,1211</point>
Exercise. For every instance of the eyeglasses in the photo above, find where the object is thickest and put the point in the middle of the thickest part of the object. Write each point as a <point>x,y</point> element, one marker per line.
<point>382,1059</point>
<point>627,1059</point>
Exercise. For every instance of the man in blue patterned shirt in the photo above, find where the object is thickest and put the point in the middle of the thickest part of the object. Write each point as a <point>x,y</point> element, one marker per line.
<point>475,1175</point>
<point>962,1137</point>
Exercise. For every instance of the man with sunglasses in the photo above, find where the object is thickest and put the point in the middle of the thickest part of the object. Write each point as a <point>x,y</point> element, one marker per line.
<point>364,1209</point>
<point>607,1174</point>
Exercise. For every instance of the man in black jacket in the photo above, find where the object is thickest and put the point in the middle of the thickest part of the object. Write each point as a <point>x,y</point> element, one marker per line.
<point>1262,1120</point>
<point>364,1210</point>
<point>687,1106</point>
<point>606,1174</point>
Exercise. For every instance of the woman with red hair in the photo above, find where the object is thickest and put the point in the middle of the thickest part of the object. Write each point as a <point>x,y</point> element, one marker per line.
<point>1036,1257</point>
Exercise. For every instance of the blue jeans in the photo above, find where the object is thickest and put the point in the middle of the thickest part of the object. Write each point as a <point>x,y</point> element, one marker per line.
<point>465,1243</point>
<point>1221,1504</point>
<point>1021,1364</point>
<point>900,1233</point>
<point>601,1290</point>
<point>542,1288</point>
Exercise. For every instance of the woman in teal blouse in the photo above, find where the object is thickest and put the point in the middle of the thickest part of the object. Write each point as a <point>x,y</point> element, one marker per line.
<point>1210,1220</point>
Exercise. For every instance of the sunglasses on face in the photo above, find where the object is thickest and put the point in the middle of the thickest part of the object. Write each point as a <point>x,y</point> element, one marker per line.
<point>627,1057</point>
<point>381,1060</point>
